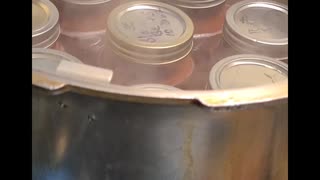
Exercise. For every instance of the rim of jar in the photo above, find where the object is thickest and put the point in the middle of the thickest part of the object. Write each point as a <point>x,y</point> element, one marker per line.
<point>47,33</point>
<point>144,52</point>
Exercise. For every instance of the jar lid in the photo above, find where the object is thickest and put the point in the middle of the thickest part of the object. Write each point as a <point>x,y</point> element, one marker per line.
<point>258,27</point>
<point>149,32</point>
<point>66,68</point>
<point>196,4</point>
<point>45,26</point>
<point>155,87</point>
<point>86,2</point>
<point>247,70</point>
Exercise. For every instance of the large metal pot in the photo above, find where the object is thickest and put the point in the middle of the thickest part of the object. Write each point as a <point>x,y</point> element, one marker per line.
<point>91,132</point>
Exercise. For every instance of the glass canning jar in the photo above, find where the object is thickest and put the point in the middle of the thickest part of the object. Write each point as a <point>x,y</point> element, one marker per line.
<point>149,43</point>
<point>84,15</point>
<point>207,15</point>
<point>251,27</point>
<point>45,25</point>
<point>256,27</point>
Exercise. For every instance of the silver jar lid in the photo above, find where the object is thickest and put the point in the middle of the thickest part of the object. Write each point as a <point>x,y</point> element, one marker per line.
<point>45,26</point>
<point>196,4</point>
<point>258,27</point>
<point>66,68</point>
<point>247,70</point>
<point>155,87</point>
<point>150,32</point>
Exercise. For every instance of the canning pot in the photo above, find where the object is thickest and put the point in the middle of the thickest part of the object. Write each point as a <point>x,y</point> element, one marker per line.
<point>84,131</point>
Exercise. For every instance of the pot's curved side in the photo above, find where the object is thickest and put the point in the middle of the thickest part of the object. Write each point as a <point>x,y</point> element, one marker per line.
<point>81,136</point>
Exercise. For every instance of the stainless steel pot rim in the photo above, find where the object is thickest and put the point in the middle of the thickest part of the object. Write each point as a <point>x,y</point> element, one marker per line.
<point>212,98</point>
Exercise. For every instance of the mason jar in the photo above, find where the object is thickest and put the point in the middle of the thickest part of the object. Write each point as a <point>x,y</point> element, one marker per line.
<point>207,15</point>
<point>250,27</point>
<point>149,42</point>
<point>45,25</point>
<point>83,27</point>
<point>84,15</point>
<point>254,27</point>
<point>247,70</point>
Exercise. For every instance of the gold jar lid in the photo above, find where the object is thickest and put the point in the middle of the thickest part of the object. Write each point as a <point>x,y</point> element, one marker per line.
<point>247,70</point>
<point>45,26</point>
<point>149,32</point>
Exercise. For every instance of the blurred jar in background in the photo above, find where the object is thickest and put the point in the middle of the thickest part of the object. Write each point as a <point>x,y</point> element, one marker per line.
<point>45,25</point>
<point>83,26</point>
<point>231,2</point>
<point>282,1</point>
<point>207,15</point>
<point>149,42</point>
<point>84,15</point>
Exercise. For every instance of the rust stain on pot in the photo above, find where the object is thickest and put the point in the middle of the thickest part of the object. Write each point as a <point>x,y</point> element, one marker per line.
<point>61,145</point>
<point>187,151</point>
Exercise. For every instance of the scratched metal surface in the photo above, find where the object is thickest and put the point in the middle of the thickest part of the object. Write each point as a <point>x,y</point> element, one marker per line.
<point>80,137</point>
